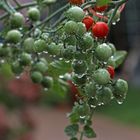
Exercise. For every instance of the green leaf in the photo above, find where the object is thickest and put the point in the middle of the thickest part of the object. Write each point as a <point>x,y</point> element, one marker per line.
<point>102,2</point>
<point>72,130</point>
<point>74,117</point>
<point>119,57</point>
<point>88,132</point>
<point>57,68</point>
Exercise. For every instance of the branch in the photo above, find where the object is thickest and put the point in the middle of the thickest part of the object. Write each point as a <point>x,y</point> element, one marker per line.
<point>26,5</point>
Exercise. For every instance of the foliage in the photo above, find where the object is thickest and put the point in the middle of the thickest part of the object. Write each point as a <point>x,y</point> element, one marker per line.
<point>51,48</point>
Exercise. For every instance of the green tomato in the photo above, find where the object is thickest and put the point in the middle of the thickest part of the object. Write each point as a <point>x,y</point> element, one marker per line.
<point>5,51</point>
<point>87,42</point>
<point>83,109</point>
<point>121,87</point>
<point>79,66</point>
<point>111,62</point>
<point>29,45</point>
<point>54,49</point>
<point>36,77</point>
<point>102,76</point>
<point>68,52</point>
<point>40,45</point>
<point>16,67</point>
<point>47,82</point>
<point>79,80</point>
<point>40,66</point>
<point>81,29</point>
<point>71,40</point>
<point>71,27</point>
<point>104,96</point>
<point>25,59</point>
<point>17,20</point>
<point>112,46</point>
<point>13,36</point>
<point>90,89</point>
<point>103,52</point>
<point>75,13</point>
<point>34,14</point>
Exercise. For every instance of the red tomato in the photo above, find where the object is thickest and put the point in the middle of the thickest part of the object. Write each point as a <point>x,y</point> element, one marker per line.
<point>76,2</point>
<point>88,21</point>
<point>100,29</point>
<point>111,71</point>
<point>100,8</point>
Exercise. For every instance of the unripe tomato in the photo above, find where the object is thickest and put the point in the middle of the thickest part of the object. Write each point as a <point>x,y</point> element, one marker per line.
<point>104,96</point>
<point>40,45</point>
<point>79,66</point>
<point>88,21</point>
<point>54,49</point>
<point>103,52</point>
<point>87,42</point>
<point>68,52</point>
<point>71,40</point>
<point>29,45</point>
<point>71,27</point>
<point>16,67</point>
<point>79,80</point>
<point>40,66</point>
<point>81,29</point>
<point>34,14</point>
<point>112,46</point>
<point>102,76</point>
<point>100,30</point>
<point>83,109</point>
<point>13,36</point>
<point>75,13</point>
<point>36,77</point>
<point>100,8</point>
<point>111,71</point>
<point>111,62</point>
<point>25,59</point>
<point>47,82</point>
<point>90,89</point>
<point>76,2</point>
<point>121,87</point>
<point>17,20</point>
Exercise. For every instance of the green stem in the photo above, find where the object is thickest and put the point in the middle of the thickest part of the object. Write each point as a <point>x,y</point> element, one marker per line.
<point>52,15</point>
<point>17,3</point>
<point>88,3</point>
<point>118,4</point>
<point>81,136</point>
<point>26,5</point>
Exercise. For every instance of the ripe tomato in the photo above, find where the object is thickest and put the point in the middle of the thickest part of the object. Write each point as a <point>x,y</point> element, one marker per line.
<point>100,29</point>
<point>88,21</point>
<point>76,2</point>
<point>111,71</point>
<point>100,8</point>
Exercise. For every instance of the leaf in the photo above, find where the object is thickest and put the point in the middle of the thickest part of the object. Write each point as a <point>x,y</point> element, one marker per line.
<point>74,138</point>
<point>88,132</point>
<point>74,117</point>
<point>72,130</point>
<point>57,68</point>
<point>119,57</point>
<point>102,2</point>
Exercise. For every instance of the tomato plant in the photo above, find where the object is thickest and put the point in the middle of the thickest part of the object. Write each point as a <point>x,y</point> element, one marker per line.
<point>68,47</point>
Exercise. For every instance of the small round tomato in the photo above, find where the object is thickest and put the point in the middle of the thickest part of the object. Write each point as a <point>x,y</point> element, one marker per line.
<point>100,30</point>
<point>34,14</point>
<point>17,20</point>
<point>111,71</point>
<point>88,21</point>
<point>13,36</point>
<point>100,8</point>
<point>101,76</point>
<point>36,77</point>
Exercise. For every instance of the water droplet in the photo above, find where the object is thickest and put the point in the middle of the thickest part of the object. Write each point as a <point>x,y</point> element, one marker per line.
<point>92,106</point>
<point>113,23</point>
<point>45,89</point>
<point>61,76</point>
<point>82,117</point>
<point>60,58</point>
<point>2,61</point>
<point>18,77</point>
<point>119,102</point>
